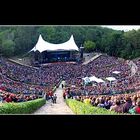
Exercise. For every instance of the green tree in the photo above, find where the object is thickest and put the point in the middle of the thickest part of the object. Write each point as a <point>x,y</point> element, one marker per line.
<point>8,47</point>
<point>127,52</point>
<point>89,46</point>
<point>21,39</point>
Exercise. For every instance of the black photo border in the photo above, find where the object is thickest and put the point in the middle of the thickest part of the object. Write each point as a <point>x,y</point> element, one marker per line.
<point>69,123</point>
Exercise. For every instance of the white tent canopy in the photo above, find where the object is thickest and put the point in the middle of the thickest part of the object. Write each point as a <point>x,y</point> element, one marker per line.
<point>43,45</point>
<point>111,79</point>
<point>98,80</point>
<point>92,78</point>
<point>116,72</point>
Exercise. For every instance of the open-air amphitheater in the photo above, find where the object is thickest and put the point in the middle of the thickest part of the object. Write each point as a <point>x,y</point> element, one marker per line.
<point>104,83</point>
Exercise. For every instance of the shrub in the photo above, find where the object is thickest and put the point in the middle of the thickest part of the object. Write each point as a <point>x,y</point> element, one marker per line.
<point>21,108</point>
<point>81,108</point>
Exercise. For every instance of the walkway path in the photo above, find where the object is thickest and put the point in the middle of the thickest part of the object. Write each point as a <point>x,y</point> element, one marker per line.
<point>96,56</point>
<point>133,67</point>
<point>59,108</point>
<point>21,63</point>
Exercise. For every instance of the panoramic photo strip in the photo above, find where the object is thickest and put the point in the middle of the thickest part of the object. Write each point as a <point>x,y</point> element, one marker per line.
<point>70,70</point>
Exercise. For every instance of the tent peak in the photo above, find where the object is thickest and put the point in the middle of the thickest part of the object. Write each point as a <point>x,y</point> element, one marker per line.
<point>40,38</point>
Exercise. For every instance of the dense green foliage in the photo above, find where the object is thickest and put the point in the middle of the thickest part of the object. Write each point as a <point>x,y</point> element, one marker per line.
<point>18,40</point>
<point>21,108</point>
<point>89,46</point>
<point>86,109</point>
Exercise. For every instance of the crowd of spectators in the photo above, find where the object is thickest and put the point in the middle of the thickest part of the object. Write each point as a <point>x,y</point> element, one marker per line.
<point>120,103</point>
<point>103,67</point>
<point>20,79</point>
<point>10,97</point>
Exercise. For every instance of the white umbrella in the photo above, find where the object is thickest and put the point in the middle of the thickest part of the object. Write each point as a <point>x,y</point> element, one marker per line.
<point>111,79</point>
<point>116,72</point>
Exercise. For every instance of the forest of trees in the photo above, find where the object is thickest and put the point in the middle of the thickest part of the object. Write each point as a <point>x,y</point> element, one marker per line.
<point>18,40</point>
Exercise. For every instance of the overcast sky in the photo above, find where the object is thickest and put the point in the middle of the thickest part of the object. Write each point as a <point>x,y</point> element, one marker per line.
<point>123,27</point>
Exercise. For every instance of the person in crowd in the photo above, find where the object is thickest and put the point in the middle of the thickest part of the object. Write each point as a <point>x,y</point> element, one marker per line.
<point>62,86</point>
<point>134,100</point>
<point>101,103</point>
<point>8,98</point>
<point>118,107</point>
<point>87,100</point>
<point>1,99</point>
<point>127,105</point>
<point>64,94</point>
<point>135,109</point>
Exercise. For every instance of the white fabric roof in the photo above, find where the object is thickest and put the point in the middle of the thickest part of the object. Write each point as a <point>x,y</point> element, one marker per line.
<point>100,81</point>
<point>93,78</point>
<point>111,78</point>
<point>116,72</point>
<point>43,45</point>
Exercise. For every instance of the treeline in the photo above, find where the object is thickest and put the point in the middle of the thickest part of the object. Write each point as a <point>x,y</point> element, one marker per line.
<point>18,40</point>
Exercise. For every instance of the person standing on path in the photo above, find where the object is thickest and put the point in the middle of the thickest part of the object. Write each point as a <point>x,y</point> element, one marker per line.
<point>64,94</point>
<point>50,94</point>
<point>54,99</point>
<point>62,86</point>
